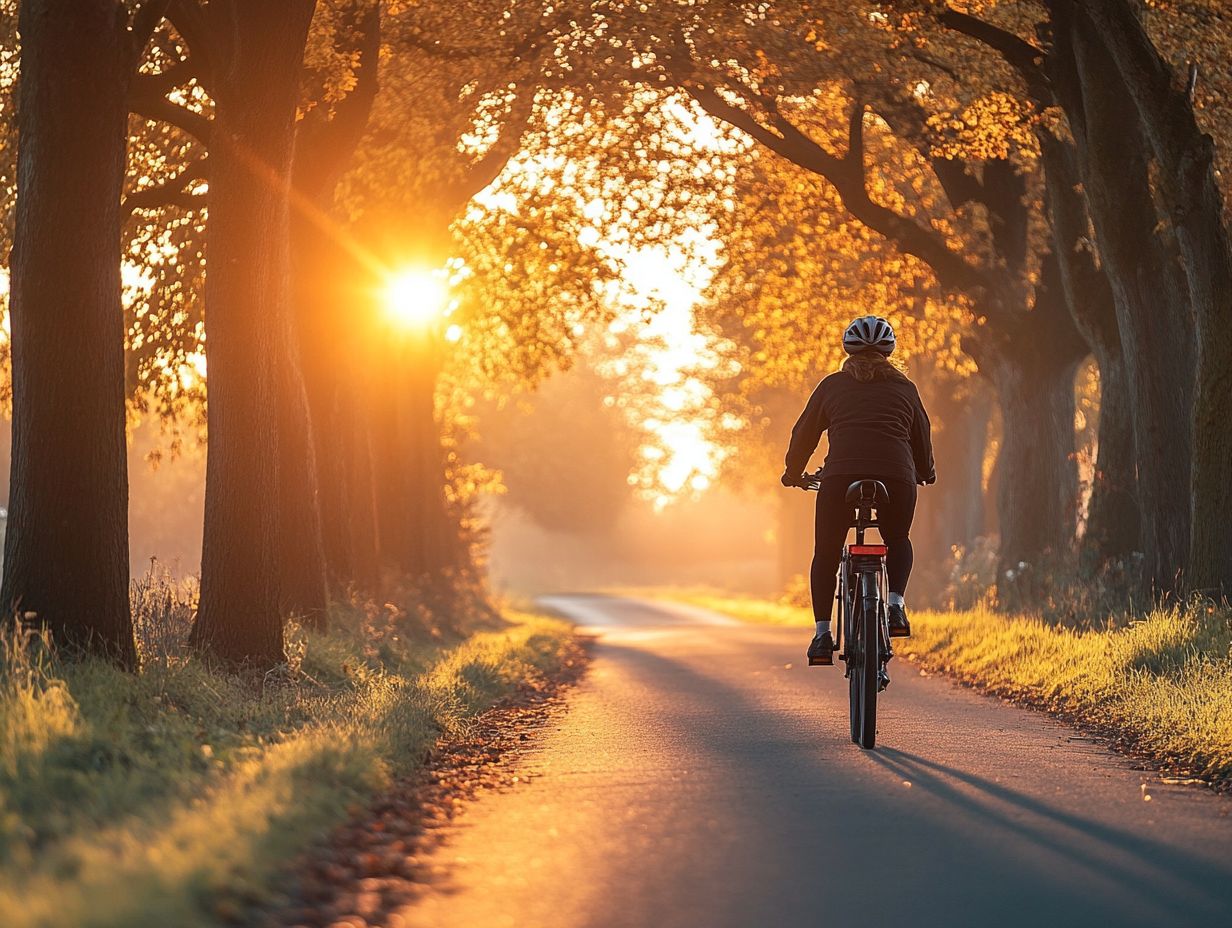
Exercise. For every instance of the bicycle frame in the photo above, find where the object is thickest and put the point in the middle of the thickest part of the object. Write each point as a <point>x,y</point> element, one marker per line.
<point>862,595</point>
<point>862,592</point>
<point>858,560</point>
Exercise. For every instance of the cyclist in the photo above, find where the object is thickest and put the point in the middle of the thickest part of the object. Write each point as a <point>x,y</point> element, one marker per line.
<point>878,429</point>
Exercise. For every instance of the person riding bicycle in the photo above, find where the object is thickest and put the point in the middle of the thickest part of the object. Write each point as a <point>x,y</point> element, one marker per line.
<point>879,430</point>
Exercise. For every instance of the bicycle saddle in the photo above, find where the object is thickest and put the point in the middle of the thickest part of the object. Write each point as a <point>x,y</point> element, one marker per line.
<point>867,493</point>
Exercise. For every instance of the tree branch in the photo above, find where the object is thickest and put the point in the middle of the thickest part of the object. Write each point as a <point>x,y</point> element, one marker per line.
<point>163,82</point>
<point>907,119</point>
<point>325,146</point>
<point>847,177</point>
<point>1166,112</point>
<point>1025,58</point>
<point>145,20</point>
<point>480,174</point>
<point>1087,288</point>
<point>433,47</point>
<point>932,62</point>
<point>175,192</point>
<point>188,18</point>
<point>160,109</point>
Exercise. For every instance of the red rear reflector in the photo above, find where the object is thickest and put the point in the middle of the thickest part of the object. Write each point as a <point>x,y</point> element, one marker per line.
<point>878,550</point>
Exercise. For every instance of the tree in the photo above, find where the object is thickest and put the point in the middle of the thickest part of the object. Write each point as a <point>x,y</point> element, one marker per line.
<point>256,48</point>
<point>66,549</point>
<point>1193,203</point>
<point>328,137</point>
<point>336,84</point>
<point>770,82</point>
<point>1148,179</point>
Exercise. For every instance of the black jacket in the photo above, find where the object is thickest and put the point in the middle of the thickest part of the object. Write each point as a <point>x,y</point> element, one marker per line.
<point>877,429</point>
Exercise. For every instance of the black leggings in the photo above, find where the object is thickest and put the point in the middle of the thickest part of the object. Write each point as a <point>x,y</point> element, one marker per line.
<point>834,518</point>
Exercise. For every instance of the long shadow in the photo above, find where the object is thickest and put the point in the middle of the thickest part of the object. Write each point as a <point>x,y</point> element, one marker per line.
<point>1158,873</point>
<point>1168,871</point>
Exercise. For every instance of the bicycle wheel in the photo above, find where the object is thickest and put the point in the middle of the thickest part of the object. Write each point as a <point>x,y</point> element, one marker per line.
<point>852,649</point>
<point>864,664</point>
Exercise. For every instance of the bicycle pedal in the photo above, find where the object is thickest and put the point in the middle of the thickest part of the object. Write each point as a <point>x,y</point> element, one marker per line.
<point>820,662</point>
<point>883,681</point>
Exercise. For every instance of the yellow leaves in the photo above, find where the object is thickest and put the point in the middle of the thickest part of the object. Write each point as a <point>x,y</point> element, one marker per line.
<point>994,125</point>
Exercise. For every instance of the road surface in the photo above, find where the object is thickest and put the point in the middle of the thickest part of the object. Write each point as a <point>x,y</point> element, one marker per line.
<point>703,777</point>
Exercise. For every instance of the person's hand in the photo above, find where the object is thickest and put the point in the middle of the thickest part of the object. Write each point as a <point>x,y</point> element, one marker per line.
<point>788,480</point>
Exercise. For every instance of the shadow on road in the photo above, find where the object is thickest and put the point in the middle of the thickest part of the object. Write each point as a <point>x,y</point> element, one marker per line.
<point>1116,853</point>
<point>699,780</point>
<point>1063,863</point>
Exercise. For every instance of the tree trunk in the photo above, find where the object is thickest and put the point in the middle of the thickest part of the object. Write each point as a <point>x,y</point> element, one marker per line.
<point>246,293</point>
<point>66,549</point>
<point>964,457</point>
<point>325,369</point>
<point>389,484</point>
<point>432,539</point>
<point>1150,298</point>
<point>328,312</point>
<point>330,319</point>
<point>1038,481</point>
<point>1113,525</point>
<point>300,547</point>
<point>1189,188</point>
<point>1113,522</point>
<point>951,512</point>
<point>1033,370</point>
<point>408,468</point>
<point>362,521</point>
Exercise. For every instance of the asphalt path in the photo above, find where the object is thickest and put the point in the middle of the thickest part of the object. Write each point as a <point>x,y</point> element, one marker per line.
<point>703,776</point>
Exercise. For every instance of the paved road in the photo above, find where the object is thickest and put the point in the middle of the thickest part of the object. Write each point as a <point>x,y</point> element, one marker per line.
<point>703,777</point>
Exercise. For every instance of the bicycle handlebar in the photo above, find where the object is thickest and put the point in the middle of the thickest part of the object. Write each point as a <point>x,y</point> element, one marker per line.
<point>804,481</point>
<point>812,481</point>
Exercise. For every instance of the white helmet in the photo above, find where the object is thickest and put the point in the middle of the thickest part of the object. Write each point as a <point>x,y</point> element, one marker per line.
<point>869,332</point>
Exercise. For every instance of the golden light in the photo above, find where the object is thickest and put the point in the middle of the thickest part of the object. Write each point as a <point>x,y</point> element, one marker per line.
<point>416,299</point>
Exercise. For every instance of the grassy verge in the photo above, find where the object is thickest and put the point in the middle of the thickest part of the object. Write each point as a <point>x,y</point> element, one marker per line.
<point>175,796</point>
<point>1160,686</point>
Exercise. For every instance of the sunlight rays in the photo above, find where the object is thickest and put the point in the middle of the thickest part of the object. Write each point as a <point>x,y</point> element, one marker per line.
<point>417,299</point>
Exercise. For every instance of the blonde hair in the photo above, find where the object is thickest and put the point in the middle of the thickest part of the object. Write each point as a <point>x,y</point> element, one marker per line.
<point>869,365</point>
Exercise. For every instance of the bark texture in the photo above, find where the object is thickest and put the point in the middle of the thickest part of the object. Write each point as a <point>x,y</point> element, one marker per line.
<point>1032,368</point>
<point>1151,297</point>
<point>325,313</point>
<point>258,46</point>
<point>301,552</point>
<point>1189,190</point>
<point>66,548</point>
<point>951,512</point>
<point>1112,527</point>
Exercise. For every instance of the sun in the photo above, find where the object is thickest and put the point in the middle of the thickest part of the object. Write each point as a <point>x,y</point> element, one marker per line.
<point>416,299</point>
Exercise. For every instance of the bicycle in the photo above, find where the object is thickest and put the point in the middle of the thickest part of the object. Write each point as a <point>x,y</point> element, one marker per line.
<point>861,597</point>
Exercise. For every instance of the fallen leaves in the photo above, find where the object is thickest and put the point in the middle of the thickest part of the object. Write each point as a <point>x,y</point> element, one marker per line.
<point>376,864</point>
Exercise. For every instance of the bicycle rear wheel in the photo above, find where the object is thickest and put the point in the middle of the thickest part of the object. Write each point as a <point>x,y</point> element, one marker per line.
<point>863,665</point>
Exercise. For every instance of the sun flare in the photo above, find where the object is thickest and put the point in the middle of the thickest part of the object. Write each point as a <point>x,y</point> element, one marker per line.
<point>417,298</point>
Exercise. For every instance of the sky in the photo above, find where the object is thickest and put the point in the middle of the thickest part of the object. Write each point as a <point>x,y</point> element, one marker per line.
<point>678,459</point>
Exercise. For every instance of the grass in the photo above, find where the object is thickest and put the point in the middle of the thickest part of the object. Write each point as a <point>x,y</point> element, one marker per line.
<point>177,796</point>
<point>1160,685</point>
